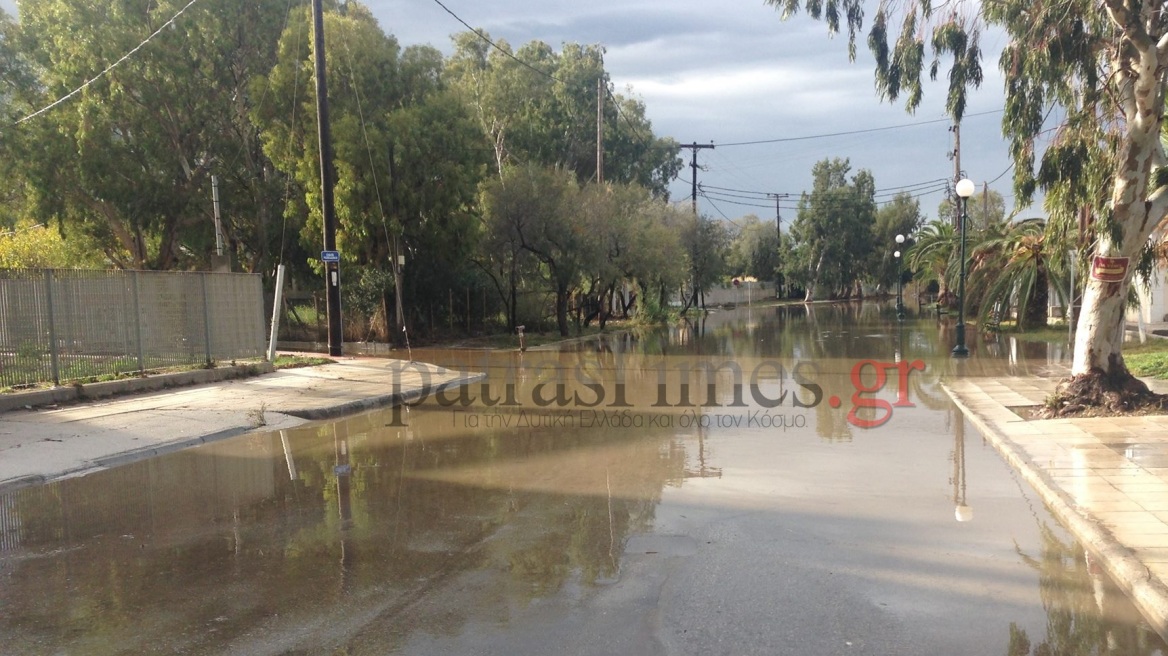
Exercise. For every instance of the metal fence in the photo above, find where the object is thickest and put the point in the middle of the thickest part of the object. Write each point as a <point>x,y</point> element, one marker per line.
<point>60,325</point>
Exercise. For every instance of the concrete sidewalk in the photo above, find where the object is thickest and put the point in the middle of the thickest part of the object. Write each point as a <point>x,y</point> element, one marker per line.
<point>1106,479</point>
<point>43,444</point>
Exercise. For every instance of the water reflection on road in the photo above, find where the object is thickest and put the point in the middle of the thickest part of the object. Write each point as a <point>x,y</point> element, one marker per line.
<point>768,481</point>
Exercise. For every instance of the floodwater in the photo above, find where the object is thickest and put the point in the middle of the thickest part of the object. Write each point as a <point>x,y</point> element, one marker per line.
<point>768,481</point>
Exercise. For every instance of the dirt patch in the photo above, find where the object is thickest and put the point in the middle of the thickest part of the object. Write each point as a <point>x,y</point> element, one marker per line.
<point>1100,394</point>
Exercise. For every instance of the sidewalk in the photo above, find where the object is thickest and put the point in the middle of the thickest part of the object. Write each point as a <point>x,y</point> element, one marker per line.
<point>43,444</point>
<point>1106,479</point>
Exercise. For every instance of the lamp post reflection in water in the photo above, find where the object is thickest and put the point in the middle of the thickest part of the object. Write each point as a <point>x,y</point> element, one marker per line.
<point>343,470</point>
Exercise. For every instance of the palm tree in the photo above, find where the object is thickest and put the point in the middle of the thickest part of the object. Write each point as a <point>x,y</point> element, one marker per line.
<point>1011,268</point>
<point>931,256</point>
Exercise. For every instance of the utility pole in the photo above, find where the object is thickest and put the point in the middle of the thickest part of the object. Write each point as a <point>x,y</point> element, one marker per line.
<point>332,265</point>
<point>779,231</point>
<point>218,222</point>
<point>600,130</point>
<point>694,165</point>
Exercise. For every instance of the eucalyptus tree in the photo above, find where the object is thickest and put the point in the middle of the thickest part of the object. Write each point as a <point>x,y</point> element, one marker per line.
<point>127,159</point>
<point>539,210</point>
<point>636,251</point>
<point>408,157</point>
<point>707,245</point>
<point>1102,65</point>
<point>754,250</point>
<point>16,92</point>
<point>984,209</point>
<point>901,216</point>
<point>833,224</point>
<point>538,105</point>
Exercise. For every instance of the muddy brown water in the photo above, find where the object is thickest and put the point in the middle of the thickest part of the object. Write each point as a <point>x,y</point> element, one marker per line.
<point>765,481</point>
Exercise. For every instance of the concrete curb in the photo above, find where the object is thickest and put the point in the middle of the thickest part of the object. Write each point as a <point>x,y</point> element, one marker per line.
<point>329,412</point>
<point>1149,594</point>
<point>123,458</point>
<point>92,391</point>
<point>380,401</point>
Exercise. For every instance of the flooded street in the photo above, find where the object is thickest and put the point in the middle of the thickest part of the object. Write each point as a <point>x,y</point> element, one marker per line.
<point>768,481</point>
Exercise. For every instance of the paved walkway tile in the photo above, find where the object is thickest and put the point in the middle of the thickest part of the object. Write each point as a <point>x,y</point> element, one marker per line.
<point>1106,478</point>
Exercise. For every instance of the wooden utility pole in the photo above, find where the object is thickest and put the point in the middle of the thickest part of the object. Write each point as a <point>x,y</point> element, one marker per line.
<point>332,268</point>
<point>779,231</point>
<point>694,165</point>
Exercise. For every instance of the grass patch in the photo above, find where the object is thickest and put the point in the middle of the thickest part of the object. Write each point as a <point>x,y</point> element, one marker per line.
<point>1149,359</point>
<point>296,361</point>
<point>1149,365</point>
<point>1048,334</point>
<point>1153,345</point>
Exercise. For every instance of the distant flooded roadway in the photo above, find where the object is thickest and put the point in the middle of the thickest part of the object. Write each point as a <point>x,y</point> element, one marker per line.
<point>779,480</point>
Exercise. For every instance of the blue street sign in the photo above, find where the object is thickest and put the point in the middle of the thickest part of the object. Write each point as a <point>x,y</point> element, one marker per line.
<point>330,256</point>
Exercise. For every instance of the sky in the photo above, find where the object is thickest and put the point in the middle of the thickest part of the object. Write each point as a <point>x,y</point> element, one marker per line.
<point>732,71</point>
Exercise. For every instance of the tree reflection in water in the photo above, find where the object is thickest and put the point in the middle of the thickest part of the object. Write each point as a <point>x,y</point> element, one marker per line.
<point>1086,614</point>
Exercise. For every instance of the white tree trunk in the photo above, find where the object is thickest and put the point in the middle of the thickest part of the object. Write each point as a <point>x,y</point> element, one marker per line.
<point>1099,336</point>
<point>1137,203</point>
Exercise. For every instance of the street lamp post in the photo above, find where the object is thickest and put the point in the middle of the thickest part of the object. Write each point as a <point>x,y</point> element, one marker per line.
<point>899,280</point>
<point>965,189</point>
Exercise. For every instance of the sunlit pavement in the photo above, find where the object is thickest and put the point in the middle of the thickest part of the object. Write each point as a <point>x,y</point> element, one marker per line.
<point>1105,478</point>
<point>43,444</point>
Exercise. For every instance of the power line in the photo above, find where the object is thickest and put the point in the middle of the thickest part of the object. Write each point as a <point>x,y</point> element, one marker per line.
<point>494,45</point>
<point>750,194</point>
<point>742,200</point>
<point>107,68</point>
<point>852,132</point>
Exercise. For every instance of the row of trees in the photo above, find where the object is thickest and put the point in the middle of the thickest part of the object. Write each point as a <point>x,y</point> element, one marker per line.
<point>842,238</point>
<point>432,155</point>
<point>1099,65</point>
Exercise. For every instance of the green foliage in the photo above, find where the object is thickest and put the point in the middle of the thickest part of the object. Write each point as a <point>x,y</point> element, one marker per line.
<point>123,169</point>
<point>931,257</point>
<point>1149,359</point>
<point>1098,68</point>
<point>1152,365</point>
<point>128,161</point>
<point>754,249</point>
<point>1011,267</point>
<point>982,210</point>
<point>901,217</point>
<point>539,106</point>
<point>899,68</point>
<point>297,361</point>
<point>833,224</point>
<point>35,246</point>
<point>707,243</point>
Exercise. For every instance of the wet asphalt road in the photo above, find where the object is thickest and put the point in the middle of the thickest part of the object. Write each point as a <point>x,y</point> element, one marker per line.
<point>678,515</point>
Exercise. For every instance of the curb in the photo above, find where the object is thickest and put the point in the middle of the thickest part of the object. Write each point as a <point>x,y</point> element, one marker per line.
<point>392,399</point>
<point>123,458</point>
<point>1150,595</point>
<point>331,412</point>
<point>92,391</point>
